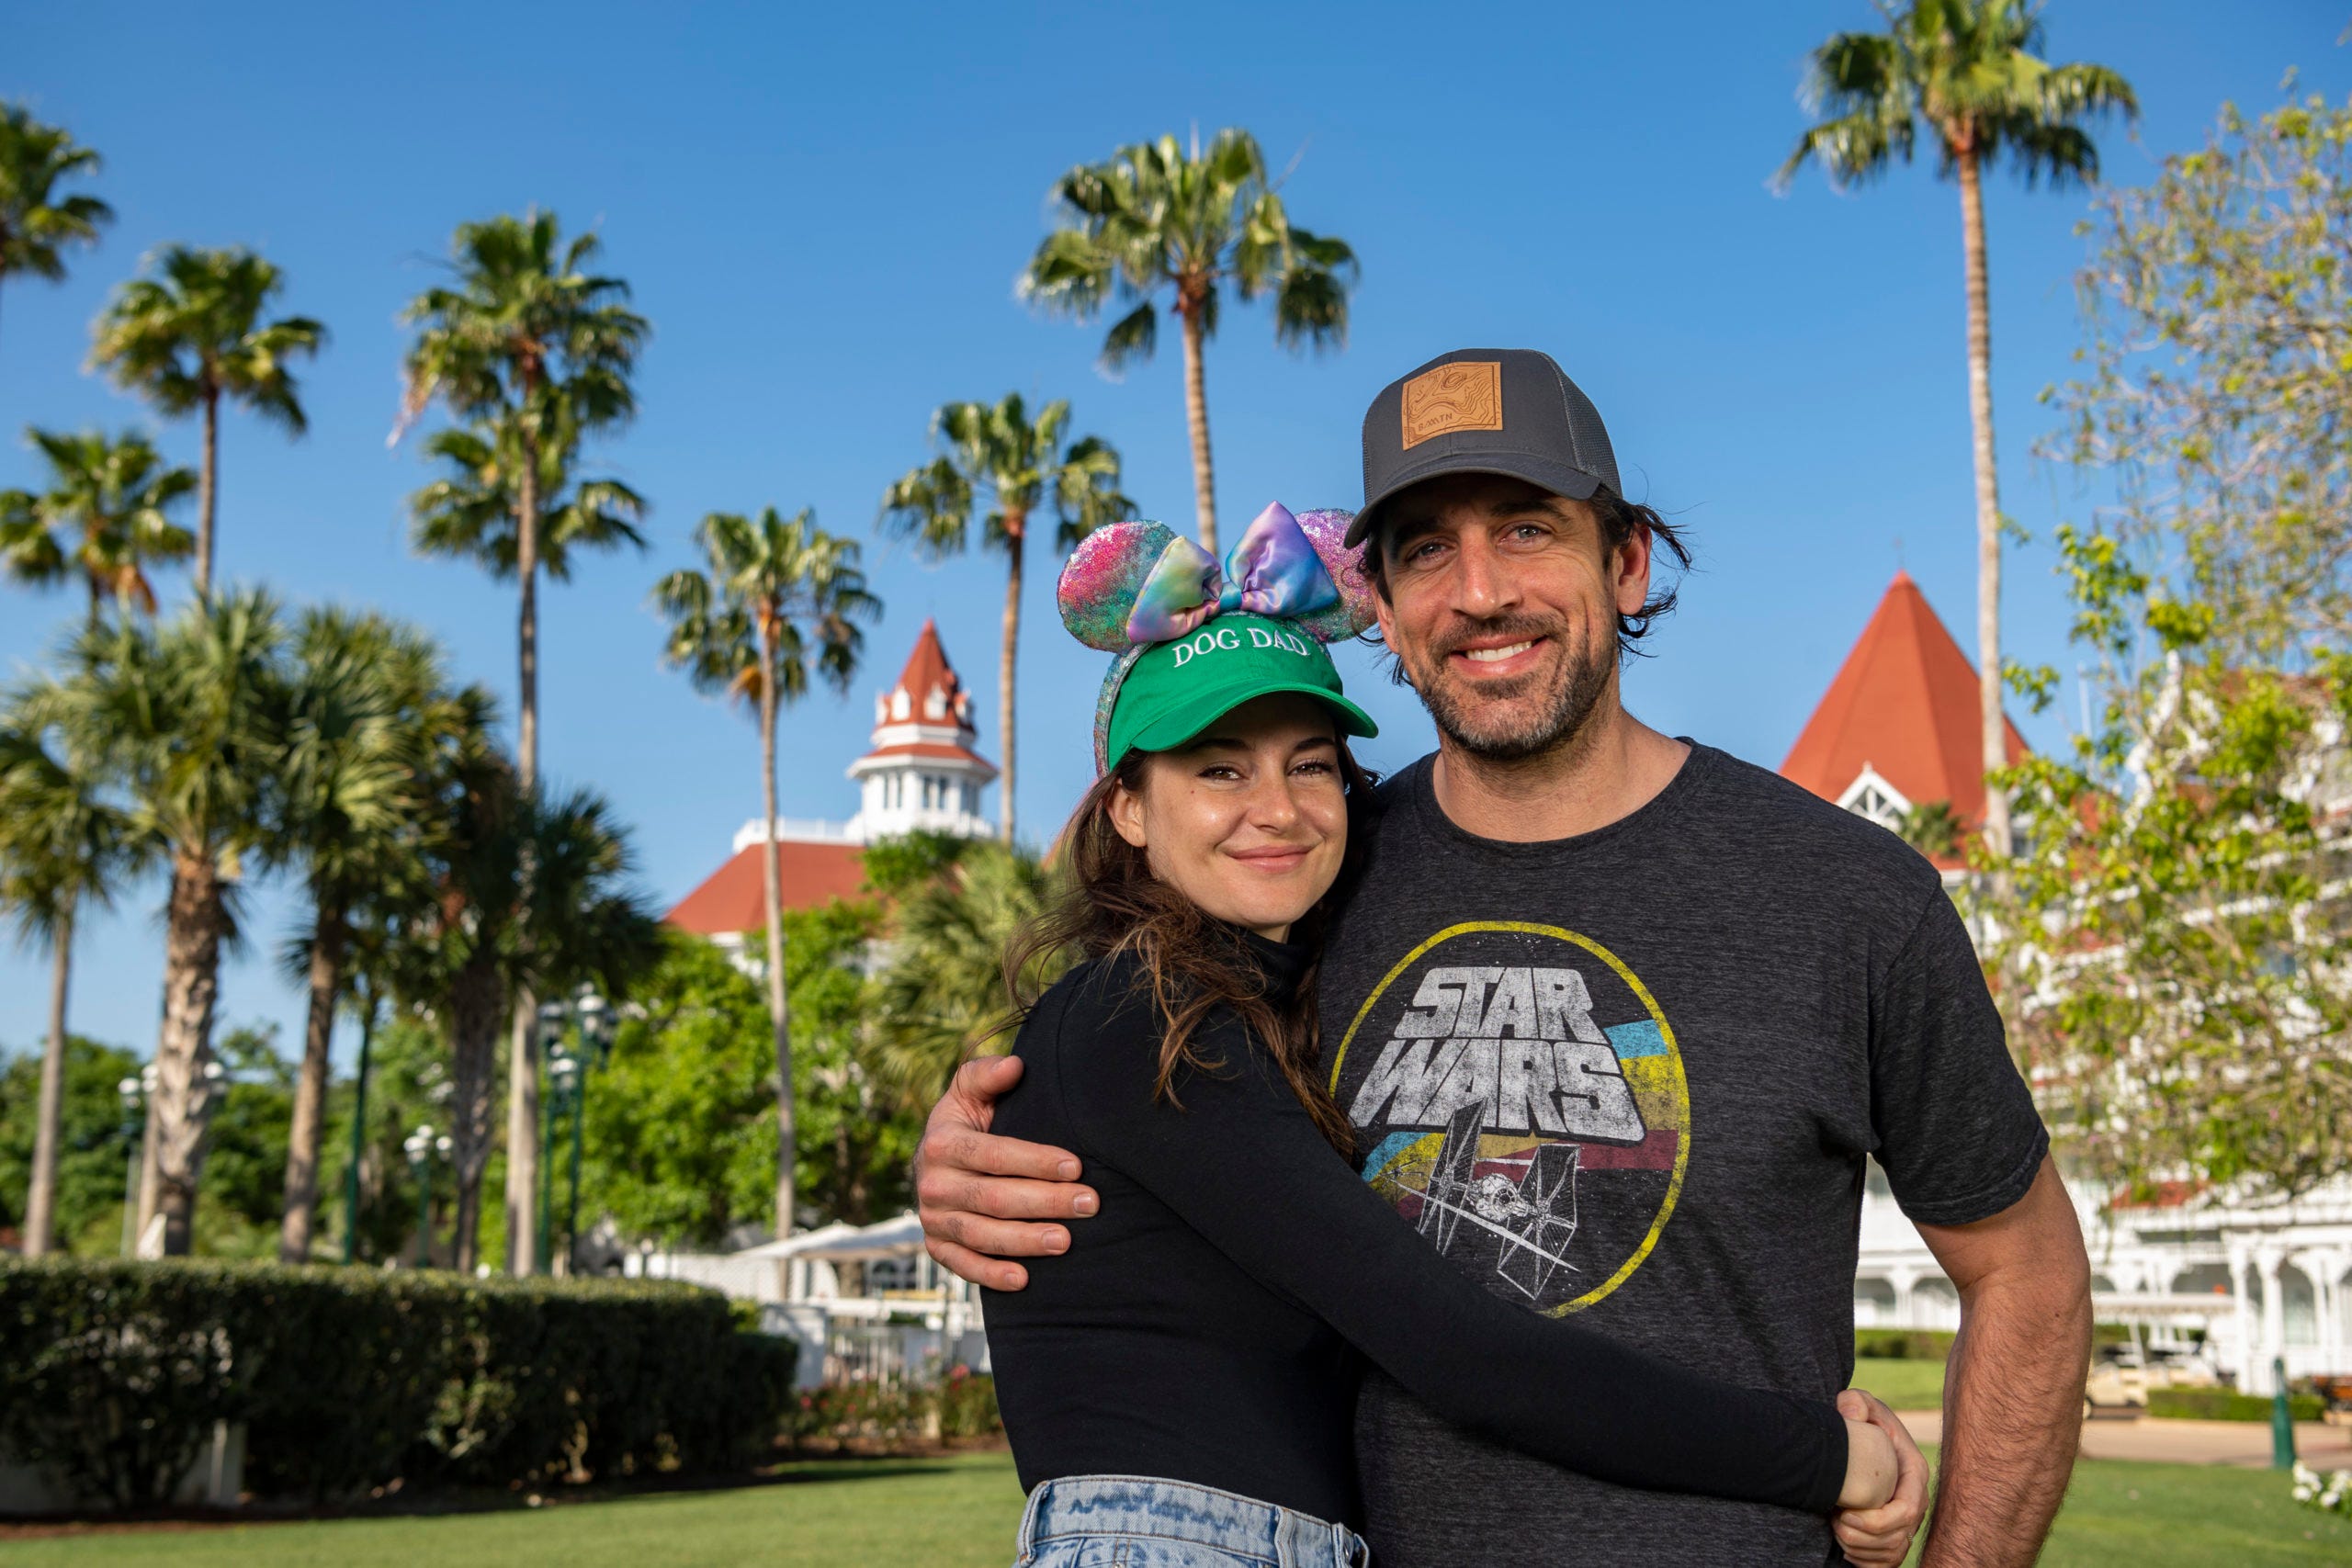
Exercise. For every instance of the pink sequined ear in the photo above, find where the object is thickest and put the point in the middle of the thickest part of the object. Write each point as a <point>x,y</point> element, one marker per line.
<point>1103,577</point>
<point>1328,531</point>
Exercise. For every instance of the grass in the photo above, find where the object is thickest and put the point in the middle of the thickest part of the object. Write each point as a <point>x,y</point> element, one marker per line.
<point>962,1512</point>
<point>1905,1385</point>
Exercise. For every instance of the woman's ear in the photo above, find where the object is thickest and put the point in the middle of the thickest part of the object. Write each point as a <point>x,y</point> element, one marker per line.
<point>1126,814</point>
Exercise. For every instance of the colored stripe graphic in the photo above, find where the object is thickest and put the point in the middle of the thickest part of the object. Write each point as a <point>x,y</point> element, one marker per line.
<point>1639,1038</point>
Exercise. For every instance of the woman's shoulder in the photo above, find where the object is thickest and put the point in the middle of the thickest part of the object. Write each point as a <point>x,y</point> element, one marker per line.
<point>1097,992</point>
<point>1096,1025</point>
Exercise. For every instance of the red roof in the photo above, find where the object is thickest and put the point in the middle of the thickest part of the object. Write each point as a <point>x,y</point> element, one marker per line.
<point>927,667</point>
<point>732,898</point>
<point>1903,704</point>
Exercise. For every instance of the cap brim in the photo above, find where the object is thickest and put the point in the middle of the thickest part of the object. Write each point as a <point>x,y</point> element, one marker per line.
<point>1183,724</point>
<point>1560,479</point>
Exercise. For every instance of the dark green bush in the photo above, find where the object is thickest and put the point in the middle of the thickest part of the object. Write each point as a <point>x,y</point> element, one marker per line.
<point>113,1373</point>
<point>2227,1405</point>
<point>1904,1344</point>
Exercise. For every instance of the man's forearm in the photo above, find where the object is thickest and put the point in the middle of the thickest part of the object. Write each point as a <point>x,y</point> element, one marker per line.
<point>2013,1406</point>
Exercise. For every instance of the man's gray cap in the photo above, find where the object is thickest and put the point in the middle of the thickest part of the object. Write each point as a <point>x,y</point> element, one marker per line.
<point>1483,410</point>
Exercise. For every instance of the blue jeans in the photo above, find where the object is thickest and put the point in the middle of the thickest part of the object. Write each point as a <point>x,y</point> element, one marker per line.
<point>1133,1521</point>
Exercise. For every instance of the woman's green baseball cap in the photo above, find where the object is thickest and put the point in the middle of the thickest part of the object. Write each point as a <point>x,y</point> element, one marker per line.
<point>1164,694</point>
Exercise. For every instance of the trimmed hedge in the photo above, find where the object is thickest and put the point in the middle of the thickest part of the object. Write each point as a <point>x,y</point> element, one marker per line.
<point>2227,1405</point>
<point>1904,1344</point>
<point>112,1374</point>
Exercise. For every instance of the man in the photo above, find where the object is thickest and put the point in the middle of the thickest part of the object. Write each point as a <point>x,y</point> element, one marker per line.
<point>1618,1019</point>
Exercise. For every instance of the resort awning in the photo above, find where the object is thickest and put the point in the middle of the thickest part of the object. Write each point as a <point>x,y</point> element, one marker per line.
<point>844,1244</point>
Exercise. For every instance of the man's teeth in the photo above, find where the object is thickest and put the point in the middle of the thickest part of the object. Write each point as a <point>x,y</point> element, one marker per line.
<point>1489,655</point>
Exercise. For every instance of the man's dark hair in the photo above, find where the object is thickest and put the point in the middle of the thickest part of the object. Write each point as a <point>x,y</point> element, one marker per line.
<point>1618,519</point>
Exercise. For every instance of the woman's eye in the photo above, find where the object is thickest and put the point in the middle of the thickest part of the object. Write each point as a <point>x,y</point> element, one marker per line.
<point>1318,768</point>
<point>1220,770</point>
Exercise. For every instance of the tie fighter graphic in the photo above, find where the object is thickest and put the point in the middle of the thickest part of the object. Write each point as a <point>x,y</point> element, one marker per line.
<point>1535,1216</point>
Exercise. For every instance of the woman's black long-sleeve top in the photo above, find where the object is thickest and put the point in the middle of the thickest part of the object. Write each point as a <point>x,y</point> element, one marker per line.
<point>1200,1326</point>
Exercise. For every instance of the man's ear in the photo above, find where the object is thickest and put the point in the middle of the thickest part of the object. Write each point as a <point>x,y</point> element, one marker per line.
<point>1126,814</point>
<point>1633,570</point>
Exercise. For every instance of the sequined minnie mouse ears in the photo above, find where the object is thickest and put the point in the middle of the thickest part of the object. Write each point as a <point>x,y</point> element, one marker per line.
<point>1134,584</point>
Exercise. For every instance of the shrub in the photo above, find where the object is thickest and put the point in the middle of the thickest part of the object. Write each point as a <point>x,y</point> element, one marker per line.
<point>893,1414</point>
<point>1904,1344</point>
<point>2226,1404</point>
<point>112,1374</point>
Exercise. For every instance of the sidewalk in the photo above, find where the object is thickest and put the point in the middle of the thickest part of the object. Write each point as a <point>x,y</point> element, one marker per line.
<point>2243,1444</point>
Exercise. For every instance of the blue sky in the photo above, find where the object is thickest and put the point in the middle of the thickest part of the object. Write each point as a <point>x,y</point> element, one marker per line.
<point>823,213</point>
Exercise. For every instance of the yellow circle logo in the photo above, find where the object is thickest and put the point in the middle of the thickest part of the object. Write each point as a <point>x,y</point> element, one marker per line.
<point>1518,1094</point>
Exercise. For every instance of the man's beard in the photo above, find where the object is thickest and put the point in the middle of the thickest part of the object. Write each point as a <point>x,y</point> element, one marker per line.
<point>1565,696</point>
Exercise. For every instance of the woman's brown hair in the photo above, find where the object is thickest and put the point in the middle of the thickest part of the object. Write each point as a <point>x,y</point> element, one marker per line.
<point>1111,903</point>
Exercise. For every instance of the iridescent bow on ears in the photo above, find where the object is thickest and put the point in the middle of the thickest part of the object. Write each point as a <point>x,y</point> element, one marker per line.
<point>1132,584</point>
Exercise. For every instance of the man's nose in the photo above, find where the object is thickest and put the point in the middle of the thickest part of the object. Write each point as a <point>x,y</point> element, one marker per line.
<point>1484,585</point>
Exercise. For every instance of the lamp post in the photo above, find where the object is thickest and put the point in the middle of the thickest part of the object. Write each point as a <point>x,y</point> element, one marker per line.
<point>574,1035</point>
<point>133,1091</point>
<point>367,996</point>
<point>421,1146</point>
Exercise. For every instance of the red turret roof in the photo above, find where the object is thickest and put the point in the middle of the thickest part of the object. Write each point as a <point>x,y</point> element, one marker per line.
<point>1903,704</point>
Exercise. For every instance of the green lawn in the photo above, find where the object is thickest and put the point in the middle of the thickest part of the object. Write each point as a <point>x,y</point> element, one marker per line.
<point>1905,1385</point>
<point>961,1513</point>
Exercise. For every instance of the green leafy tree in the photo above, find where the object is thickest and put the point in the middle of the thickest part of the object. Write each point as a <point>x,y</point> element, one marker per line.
<point>2174,939</point>
<point>2213,400</point>
<point>1970,72</point>
<point>942,999</point>
<point>65,846</point>
<point>996,457</point>
<point>192,334</point>
<point>1163,216</point>
<point>2175,947</point>
<point>364,696</point>
<point>37,221</point>
<point>680,1138</point>
<point>104,518</point>
<point>1933,829</point>
<point>188,718</point>
<point>529,345</point>
<point>780,601</point>
<point>96,1144</point>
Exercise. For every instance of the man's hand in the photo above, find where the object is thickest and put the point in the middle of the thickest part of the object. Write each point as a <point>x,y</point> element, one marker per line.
<point>972,1188</point>
<point>2013,1389</point>
<point>1880,1537</point>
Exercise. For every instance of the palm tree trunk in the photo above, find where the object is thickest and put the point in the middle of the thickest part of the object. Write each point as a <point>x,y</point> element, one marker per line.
<point>303,1136</point>
<point>193,931</point>
<point>477,1005</point>
<point>41,1204</point>
<point>779,997</point>
<point>522,1070</point>
<point>1196,416</point>
<point>1988,502</point>
<point>1015,525</point>
<point>207,480</point>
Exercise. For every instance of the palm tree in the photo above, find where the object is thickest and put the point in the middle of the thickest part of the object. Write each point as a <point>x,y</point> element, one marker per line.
<point>104,518</point>
<point>1972,71</point>
<point>348,812</point>
<point>1017,465</point>
<point>469,513</point>
<point>35,222</point>
<point>189,716</point>
<point>534,347</point>
<point>736,629</point>
<point>194,334</point>
<point>942,997</point>
<point>65,846</point>
<point>1157,214</point>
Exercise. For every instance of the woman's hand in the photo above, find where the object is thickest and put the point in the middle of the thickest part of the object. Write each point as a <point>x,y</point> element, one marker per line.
<point>1875,1533</point>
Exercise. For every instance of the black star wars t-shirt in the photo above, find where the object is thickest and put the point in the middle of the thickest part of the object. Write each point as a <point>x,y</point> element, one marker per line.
<point>1635,1076</point>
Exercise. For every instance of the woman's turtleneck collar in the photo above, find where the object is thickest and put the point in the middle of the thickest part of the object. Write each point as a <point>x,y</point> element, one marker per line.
<point>1284,963</point>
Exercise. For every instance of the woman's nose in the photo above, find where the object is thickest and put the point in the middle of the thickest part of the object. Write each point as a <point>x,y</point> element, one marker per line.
<point>1271,804</point>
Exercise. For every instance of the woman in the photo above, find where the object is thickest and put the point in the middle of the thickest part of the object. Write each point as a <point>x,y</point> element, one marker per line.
<point>1178,1387</point>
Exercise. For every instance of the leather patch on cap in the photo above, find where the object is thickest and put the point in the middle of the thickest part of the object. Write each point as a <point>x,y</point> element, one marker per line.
<point>1465,395</point>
